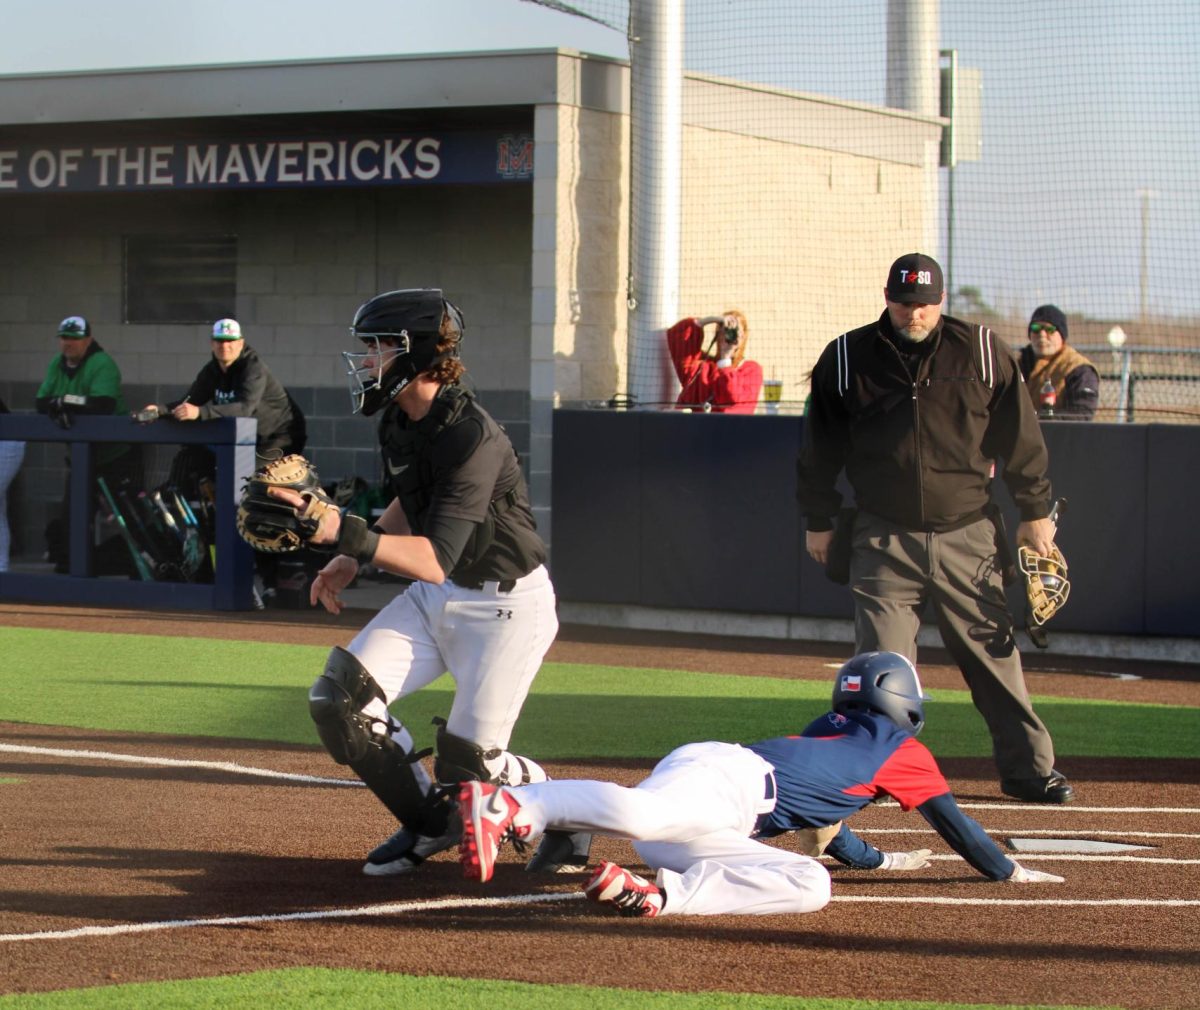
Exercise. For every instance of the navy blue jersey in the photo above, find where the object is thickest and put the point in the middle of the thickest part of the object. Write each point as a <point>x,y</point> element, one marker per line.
<point>839,764</point>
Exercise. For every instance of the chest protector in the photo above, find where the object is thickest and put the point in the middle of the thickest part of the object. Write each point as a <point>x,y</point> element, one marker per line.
<point>407,448</point>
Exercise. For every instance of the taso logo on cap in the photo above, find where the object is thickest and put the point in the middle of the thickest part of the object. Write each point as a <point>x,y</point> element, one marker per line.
<point>915,278</point>
<point>852,682</point>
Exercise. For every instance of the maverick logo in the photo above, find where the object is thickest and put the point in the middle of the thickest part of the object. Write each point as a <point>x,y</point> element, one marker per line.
<point>514,157</point>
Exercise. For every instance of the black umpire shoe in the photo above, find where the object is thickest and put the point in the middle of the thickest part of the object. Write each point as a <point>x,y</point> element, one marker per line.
<point>1054,788</point>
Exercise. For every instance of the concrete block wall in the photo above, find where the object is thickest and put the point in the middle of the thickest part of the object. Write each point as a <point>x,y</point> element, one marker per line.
<point>806,238</point>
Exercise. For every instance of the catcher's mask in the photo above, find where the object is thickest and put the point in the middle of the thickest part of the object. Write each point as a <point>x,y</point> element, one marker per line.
<point>885,683</point>
<point>1046,583</point>
<point>401,331</point>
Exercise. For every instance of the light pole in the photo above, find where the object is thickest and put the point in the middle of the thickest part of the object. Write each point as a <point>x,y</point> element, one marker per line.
<point>1145,194</point>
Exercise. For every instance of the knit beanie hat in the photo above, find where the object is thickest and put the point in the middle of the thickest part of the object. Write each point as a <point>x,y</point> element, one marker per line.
<point>1051,314</point>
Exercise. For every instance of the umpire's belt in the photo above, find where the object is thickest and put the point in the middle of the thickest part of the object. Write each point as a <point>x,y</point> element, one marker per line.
<point>506,586</point>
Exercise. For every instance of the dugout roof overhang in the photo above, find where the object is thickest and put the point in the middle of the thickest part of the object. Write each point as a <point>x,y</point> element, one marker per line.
<point>444,81</point>
<point>451,89</point>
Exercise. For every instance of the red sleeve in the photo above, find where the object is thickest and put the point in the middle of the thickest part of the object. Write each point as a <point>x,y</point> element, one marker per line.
<point>911,775</point>
<point>684,341</point>
<point>739,387</point>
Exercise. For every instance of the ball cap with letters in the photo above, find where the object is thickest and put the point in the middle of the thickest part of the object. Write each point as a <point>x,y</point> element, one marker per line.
<point>915,279</point>
<point>1051,314</point>
<point>226,329</point>
<point>74,328</point>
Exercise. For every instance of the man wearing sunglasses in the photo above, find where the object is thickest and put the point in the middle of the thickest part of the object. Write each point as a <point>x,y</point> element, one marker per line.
<point>1061,381</point>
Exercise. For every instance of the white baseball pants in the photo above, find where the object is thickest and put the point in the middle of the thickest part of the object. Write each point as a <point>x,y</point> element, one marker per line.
<point>491,643</point>
<point>691,820</point>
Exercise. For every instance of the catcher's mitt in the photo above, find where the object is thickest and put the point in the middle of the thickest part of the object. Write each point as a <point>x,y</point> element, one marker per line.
<point>1046,583</point>
<point>273,526</point>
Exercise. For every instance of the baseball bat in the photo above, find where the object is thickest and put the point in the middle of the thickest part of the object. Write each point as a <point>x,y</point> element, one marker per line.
<point>143,569</point>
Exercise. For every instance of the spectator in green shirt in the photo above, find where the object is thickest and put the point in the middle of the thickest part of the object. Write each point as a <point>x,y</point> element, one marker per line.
<point>84,379</point>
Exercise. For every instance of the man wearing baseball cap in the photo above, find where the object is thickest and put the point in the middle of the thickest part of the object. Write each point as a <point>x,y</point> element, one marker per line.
<point>82,379</point>
<point>236,383</point>
<point>915,407</point>
<point>1062,383</point>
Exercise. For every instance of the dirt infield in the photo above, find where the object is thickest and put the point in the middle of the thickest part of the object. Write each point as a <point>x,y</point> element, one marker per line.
<point>104,841</point>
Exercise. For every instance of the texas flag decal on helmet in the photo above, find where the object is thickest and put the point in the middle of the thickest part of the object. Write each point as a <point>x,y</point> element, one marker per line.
<point>852,682</point>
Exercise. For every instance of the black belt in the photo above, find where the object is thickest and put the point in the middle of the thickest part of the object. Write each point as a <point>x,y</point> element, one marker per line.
<point>768,794</point>
<point>505,586</point>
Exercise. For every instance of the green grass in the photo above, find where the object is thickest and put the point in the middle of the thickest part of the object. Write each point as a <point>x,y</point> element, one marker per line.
<point>256,691</point>
<point>327,989</point>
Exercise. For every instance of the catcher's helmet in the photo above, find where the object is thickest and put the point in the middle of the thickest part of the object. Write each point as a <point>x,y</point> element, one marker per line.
<point>74,328</point>
<point>413,321</point>
<point>885,683</point>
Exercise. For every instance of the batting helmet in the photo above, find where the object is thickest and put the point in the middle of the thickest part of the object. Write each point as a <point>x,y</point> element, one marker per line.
<point>415,322</point>
<point>885,683</point>
<point>74,328</point>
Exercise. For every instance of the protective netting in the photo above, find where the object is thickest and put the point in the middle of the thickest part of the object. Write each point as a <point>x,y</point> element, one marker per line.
<point>1082,192</point>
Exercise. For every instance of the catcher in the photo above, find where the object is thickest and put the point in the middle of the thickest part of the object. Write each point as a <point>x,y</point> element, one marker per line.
<point>481,604</point>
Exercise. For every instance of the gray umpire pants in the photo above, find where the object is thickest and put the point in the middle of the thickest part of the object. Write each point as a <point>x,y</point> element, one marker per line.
<point>896,573</point>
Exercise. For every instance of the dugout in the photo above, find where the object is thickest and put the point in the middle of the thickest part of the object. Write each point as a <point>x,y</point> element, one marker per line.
<point>155,200</point>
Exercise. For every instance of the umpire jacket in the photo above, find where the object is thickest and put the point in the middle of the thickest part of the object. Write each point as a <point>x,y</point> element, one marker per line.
<point>920,449</point>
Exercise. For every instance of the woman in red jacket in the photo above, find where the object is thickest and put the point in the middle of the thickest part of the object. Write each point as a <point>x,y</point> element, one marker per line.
<point>720,379</point>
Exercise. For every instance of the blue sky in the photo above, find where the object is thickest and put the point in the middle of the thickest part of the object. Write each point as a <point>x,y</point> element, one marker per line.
<point>1085,103</point>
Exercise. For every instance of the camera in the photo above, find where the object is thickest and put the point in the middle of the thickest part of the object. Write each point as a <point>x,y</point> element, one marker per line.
<point>731,334</point>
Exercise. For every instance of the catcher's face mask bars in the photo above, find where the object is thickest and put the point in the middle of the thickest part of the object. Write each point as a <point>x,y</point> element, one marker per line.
<point>365,368</point>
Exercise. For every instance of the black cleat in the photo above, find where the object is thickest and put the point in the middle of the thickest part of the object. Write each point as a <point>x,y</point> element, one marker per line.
<point>1054,788</point>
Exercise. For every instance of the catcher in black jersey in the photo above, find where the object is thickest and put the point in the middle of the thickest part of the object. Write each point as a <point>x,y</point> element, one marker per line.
<point>480,606</point>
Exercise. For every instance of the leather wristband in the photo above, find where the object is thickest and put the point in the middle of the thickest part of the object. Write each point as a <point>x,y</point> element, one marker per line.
<point>356,540</point>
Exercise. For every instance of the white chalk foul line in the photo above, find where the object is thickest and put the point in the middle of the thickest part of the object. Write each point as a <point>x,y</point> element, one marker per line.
<point>140,759</point>
<point>1078,832</point>
<point>1057,902</point>
<point>393,908</point>
<point>1071,808</point>
<point>397,908</point>
<point>1078,857</point>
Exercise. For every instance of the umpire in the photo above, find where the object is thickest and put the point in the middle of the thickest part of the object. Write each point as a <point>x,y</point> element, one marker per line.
<point>920,409</point>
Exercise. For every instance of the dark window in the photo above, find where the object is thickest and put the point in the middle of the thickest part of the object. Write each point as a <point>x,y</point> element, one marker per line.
<point>180,279</point>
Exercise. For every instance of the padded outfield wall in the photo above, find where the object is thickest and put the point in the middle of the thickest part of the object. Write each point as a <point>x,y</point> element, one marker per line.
<point>698,512</point>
